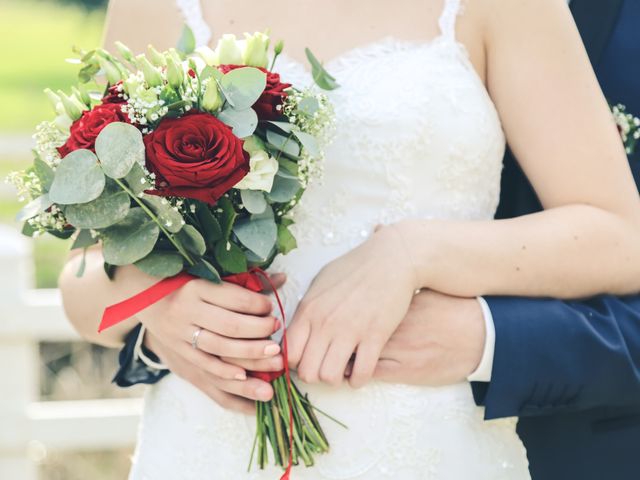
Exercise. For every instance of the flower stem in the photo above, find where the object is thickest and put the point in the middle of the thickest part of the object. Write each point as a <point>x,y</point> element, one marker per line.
<point>155,218</point>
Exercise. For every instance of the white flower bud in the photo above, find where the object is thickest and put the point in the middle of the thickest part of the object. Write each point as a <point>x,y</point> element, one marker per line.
<point>228,51</point>
<point>211,100</point>
<point>256,50</point>
<point>151,74</point>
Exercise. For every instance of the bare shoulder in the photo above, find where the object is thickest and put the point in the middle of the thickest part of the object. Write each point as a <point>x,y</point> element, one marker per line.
<point>138,23</point>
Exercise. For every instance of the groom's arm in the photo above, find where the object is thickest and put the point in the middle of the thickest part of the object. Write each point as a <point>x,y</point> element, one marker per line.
<point>554,356</point>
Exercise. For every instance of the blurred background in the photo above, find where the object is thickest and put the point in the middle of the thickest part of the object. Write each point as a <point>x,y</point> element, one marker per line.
<point>43,361</point>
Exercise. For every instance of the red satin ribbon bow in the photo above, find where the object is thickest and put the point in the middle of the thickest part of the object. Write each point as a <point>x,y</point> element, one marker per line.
<point>119,312</point>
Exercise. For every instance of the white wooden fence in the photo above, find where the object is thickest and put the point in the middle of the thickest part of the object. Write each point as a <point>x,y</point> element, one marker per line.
<point>29,428</point>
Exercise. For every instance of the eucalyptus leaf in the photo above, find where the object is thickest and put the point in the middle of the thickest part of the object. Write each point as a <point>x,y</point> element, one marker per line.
<point>258,233</point>
<point>243,86</point>
<point>228,216</point>
<point>34,207</point>
<point>286,144</point>
<point>319,74</point>
<point>136,180</point>
<point>285,187</point>
<point>209,71</point>
<point>230,257</point>
<point>83,264</point>
<point>161,264</point>
<point>286,240</point>
<point>204,269</point>
<point>131,239</point>
<point>309,106</point>
<point>106,210</point>
<point>44,172</point>
<point>63,234</point>
<point>109,270</point>
<point>84,240</point>
<point>27,230</point>
<point>191,239</point>
<point>209,226</point>
<point>253,201</point>
<point>78,179</point>
<point>309,143</point>
<point>187,42</point>
<point>119,146</point>
<point>170,218</point>
<point>284,126</point>
<point>242,122</point>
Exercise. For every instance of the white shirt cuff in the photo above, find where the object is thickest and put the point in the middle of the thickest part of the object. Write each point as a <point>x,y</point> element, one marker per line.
<point>485,367</point>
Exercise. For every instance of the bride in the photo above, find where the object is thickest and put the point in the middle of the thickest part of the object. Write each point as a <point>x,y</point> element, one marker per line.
<point>429,91</point>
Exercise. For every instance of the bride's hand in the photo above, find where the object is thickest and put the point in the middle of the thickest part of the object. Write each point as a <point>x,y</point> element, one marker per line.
<point>235,324</point>
<point>353,305</point>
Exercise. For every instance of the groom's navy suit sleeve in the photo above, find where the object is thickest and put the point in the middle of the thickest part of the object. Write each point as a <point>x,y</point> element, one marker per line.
<point>553,356</point>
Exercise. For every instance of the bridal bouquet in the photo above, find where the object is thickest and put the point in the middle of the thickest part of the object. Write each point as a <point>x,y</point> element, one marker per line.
<point>186,164</point>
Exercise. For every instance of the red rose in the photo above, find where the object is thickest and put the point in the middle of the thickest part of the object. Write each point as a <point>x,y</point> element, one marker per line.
<point>84,131</point>
<point>267,106</point>
<point>195,156</point>
<point>114,94</point>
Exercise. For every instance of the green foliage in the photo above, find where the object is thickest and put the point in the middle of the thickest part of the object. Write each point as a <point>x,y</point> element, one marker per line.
<point>187,41</point>
<point>209,226</point>
<point>258,233</point>
<point>161,264</point>
<point>169,217</point>
<point>34,207</point>
<point>119,147</point>
<point>78,179</point>
<point>191,240</point>
<point>230,257</point>
<point>285,187</point>
<point>243,86</point>
<point>322,78</point>
<point>109,208</point>
<point>130,240</point>
<point>204,269</point>
<point>286,145</point>
<point>253,201</point>
<point>84,239</point>
<point>286,240</point>
<point>242,122</point>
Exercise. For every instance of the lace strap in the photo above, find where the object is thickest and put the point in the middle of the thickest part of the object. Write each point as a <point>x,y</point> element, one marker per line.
<point>447,21</point>
<point>192,13</point>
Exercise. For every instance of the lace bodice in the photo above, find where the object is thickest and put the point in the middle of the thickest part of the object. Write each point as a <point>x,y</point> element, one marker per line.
<point>417,135</point>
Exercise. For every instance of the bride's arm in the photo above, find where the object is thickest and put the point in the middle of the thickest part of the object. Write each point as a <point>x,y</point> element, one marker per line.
<point>558,125</point>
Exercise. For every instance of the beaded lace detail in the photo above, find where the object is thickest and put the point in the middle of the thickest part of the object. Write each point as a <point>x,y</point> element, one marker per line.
<point>417,136</point>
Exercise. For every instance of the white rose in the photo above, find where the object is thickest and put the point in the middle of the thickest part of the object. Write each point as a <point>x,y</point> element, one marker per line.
<point>262,170</point>
<point>256,50</point>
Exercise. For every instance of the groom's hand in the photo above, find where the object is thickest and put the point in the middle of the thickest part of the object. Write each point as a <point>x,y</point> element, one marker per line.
<point>439,342</point>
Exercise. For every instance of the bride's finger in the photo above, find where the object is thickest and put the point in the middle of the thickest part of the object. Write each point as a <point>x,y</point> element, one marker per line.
<point>230,402</point>
<point>212,364</point>
<point>367,357</point>
<point>232,324</point>
<point>252,388</point>
<point>233,297</point>
<point>215,344</point>
<point>297,336</point>
<point>277,280</point>
<point>273,364</point>
<point>312,357</point>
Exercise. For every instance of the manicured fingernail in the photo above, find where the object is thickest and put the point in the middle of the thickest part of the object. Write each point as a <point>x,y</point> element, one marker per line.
<point>241,376</point>
<point>263,392</point>
<point>277,326</point>
<point>271,350</point>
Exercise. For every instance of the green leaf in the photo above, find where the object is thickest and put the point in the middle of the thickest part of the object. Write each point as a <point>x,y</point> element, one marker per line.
<point>242,122</point>
<point>230,257</point>
<point>170,218</point>
<point>106,210</point>
<point>191,240</point>
<point>284,126</point>
<point>286,240</point>
<point>62,234</point>
<point>208,224</point>
<point>243,86</point>
<point>78,179</point>
<point>84,240</point>
<point>109,270</point>
<point>27,230</point>
<point>319,74</point>
<point>83,264</point>
<point>34,207</point>
<point>187,42</point>
<point>258,233</point>
<point>161,264</point>
<point>287,144</point>
<point>204,269</point>
<point>309,143</point>
<point>209,71</point>
<point>285,187</point>
<point>119,146</point>
<point>253,201</point>
<point>136,180</point>
<point>131,239</point>
<point>44,172</point>
<point>228,216</point>
<point>309,106</point>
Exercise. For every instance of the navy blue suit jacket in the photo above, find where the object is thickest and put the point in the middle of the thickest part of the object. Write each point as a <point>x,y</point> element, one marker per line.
<point>571,370</point>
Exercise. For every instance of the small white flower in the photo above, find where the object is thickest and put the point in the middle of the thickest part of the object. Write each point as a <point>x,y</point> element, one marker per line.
<point>263,169</point>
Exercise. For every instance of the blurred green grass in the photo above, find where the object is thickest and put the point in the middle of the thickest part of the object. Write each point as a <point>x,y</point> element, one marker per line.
<point>36,38</point>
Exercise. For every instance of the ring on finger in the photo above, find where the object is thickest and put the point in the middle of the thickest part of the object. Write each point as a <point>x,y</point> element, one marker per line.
<point>195,337</point>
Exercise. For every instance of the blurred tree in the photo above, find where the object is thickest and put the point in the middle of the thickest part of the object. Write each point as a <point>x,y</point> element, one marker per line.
<point>89,4</point>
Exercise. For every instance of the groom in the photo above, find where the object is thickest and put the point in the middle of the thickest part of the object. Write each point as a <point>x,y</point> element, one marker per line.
<point>569,370</point>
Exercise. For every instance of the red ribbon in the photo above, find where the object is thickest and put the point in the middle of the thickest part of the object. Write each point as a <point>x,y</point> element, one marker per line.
<point>119,312</point>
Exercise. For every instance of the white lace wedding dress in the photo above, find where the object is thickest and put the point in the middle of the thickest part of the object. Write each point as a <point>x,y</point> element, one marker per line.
<point>417,136</point>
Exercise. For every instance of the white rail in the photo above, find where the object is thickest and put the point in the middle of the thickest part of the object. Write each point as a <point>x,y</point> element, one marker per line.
<point>29,427</point>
